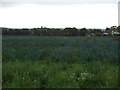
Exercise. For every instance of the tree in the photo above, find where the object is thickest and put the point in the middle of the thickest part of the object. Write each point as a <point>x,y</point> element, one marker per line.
<point>83,32</point>
<point>97,32</point>
<point>70,31</point>
<point>118,28</point>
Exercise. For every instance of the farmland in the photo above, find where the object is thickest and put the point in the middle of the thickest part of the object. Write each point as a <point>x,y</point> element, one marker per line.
<point>59,62</point>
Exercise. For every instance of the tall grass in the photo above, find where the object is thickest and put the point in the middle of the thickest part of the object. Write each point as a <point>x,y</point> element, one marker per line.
<point>60,62</point>
<point>43,74</point>
<point>59,48</point>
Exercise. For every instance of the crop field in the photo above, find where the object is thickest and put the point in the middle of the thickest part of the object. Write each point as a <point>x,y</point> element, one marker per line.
<point>59,62</point>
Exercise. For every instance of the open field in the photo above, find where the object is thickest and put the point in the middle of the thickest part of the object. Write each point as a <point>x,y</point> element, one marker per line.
<point>60,62</point>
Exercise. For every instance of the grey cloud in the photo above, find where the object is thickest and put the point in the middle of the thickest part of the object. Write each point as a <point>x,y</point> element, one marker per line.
<point>12,3</point>
<point>86,1</point>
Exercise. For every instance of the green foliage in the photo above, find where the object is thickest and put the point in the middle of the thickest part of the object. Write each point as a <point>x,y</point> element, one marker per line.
<point>67,49</point>
<point>60,62</point>
<point>40,74</point>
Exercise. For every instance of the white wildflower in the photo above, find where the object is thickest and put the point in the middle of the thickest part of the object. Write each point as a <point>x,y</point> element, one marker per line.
<point>83,78</point>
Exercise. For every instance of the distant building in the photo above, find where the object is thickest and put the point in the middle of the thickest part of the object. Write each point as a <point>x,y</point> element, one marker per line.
<point>115,32</point>
<point>105,33</point>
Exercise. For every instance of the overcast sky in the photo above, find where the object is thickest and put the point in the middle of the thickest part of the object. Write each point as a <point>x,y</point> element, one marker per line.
<point>58,13</point>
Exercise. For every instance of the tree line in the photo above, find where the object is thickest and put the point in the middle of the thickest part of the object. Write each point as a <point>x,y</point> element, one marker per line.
<point>68,31</point>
